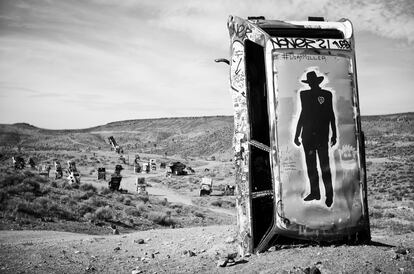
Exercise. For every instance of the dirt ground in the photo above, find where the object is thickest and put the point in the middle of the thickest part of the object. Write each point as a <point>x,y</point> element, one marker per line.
<point>200,249</point>
<point>191,250</point>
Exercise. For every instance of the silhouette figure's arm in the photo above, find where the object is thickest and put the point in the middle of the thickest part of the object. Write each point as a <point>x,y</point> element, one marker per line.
<point>299,126</point>
<point>332,122</point>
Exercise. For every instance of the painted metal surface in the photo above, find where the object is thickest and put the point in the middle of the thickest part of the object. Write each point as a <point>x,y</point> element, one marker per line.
<point>316,146</point>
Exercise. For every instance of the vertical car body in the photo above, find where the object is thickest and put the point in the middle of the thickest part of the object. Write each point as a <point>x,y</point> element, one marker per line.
<point>273,65</point>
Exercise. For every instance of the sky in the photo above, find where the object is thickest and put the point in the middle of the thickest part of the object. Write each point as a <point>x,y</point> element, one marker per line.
<point>77,64</point>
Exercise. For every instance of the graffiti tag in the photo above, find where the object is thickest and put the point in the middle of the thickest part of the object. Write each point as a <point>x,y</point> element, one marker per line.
<point>239,30</point>
<point>309,43</point>
<point>300,57</point>
<point>237,69</point>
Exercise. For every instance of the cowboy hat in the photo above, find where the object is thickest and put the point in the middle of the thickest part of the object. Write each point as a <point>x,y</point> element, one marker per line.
<point>311,77</point>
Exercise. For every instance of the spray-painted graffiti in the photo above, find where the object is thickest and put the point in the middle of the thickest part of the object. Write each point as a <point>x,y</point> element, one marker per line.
<point>239,30</point>
<point>309,43</point>
<point>316,118</point>
<point>237,68</point>
<point>300,57</point>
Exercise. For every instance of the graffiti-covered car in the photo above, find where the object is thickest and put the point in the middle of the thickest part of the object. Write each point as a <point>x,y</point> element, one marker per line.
<point>298,143</point>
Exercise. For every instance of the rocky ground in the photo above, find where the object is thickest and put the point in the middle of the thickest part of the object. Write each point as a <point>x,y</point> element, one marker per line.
<point>206,243</point>
<point>209,249</point>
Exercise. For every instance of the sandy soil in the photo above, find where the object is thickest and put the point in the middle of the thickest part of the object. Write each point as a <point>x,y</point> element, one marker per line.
<point>189,250</point>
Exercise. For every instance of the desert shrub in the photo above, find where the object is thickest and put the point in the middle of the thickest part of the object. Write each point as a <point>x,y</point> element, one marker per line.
<point>85,208</point>
<point>389,215</point>
<point>141,206</point>
<point>54,184</point>
<point>228,204</point>
<point>143,198</point>
<point>218,203</point>
<point>64,199</point>
<point>30,184</point>
<point>199,214</point>
<point>375,214</point>
<point>28,196</point>
<point>28,208</point>
<point>132,211</point>
<point>89,216</point>
<point>96,202</point>
<point>56,210</point>
<point>81,196</point>
<point>105,191</point>
<point>3,196</point>
<point>161,218</point>
<point>66,185</point>
<point>11,180</point>
<point>104,213</point>
<point>87,187</point>
<point>120,198</point>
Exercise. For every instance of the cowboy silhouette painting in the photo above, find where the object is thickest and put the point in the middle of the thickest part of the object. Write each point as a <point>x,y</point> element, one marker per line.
<point>315,120</point>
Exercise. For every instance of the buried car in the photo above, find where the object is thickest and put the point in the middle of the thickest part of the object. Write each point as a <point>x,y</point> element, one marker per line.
<point>298,142</point>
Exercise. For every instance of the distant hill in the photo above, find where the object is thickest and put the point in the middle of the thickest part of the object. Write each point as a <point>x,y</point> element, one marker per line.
<point>189,136</point>
<point>193,136</point>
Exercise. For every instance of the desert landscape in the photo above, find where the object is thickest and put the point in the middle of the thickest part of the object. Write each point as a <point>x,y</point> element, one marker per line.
<point>51,226</point>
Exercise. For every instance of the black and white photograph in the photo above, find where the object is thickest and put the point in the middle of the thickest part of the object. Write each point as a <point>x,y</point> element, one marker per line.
<point>270,136</point>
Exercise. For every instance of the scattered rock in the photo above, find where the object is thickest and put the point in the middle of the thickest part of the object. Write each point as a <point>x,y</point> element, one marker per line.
<point>139,241</point>
<point>312,270</point>
<point>189,253</point>
<point>136,271</point>
<point>272,248</point>
<point>231,256</point>
<point>377,270</point>
<point>229,240</point>
<point>402,251</point>
<point>222,263</point>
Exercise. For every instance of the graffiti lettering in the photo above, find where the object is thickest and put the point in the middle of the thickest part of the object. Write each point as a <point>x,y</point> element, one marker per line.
<point>308,43</point>
<point>300,57</point>
<point>342,44</point>
<point>240,31</point>
<point>237,68</point>
<point>294,43</point>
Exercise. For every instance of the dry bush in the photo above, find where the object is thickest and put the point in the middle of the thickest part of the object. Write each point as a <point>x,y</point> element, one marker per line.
<point>217,203</point>
<point>86,208</point>
<point>132,211</point>
<point>120,198</point>
<point>161,218</point>
<point>87,187</point>
<point>143,198</point>
<point>44,207</point>
<point>104,213</point>
<point>105,191</point>
<point>96,202</point>
<point>199,214</point>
